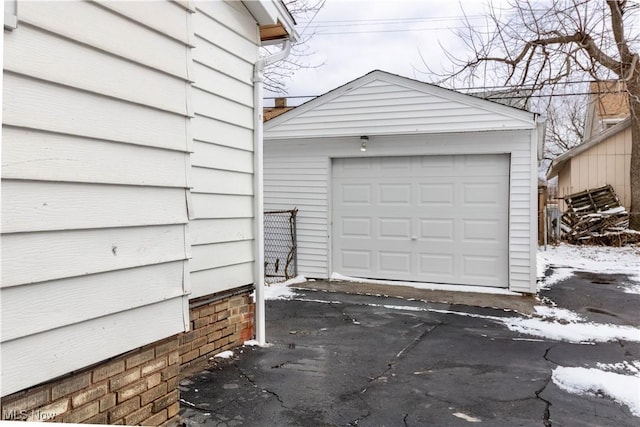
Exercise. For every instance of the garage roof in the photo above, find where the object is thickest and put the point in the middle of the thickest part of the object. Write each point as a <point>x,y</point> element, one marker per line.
<point>381,103</point>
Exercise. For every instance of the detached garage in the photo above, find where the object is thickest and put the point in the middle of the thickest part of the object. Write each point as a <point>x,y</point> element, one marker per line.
<point>401,180</point>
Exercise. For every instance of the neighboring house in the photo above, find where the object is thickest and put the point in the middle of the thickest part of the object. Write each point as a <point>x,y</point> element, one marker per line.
<point>130,202</point>
<point>604,156</point>
<point>608,106</point>
<point>398,179</point>
<point>604,159</point>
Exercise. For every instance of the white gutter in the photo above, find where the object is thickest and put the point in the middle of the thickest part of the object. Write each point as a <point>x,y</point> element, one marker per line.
<point>258,180</point>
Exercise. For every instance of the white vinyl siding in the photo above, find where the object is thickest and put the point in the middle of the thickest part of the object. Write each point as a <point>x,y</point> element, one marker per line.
<point>297,173</point>
<point>298,179</point>
<point>225,39</point>
<point>95,165</point>
<point>390,108</point>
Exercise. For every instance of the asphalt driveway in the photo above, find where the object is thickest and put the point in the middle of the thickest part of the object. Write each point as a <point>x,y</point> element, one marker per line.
<point>339,359</point>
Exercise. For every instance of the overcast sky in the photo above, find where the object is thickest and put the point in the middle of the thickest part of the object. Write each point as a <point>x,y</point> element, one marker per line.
<point>354,37</point>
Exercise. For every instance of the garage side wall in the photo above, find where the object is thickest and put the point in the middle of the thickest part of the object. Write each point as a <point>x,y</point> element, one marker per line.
<point>298,174</point>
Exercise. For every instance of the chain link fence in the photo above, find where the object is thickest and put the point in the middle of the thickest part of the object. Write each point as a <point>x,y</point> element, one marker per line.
<point>280,248</point>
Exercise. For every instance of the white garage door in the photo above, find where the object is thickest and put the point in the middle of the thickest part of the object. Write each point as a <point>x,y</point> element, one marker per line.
<point>441,219</point>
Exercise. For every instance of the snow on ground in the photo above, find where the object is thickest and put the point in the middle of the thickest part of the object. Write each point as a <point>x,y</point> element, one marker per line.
<point>430,286</point>
<point>223,355</point>
<point>557,313</point>
<point>624,389</point>
<point>565,259</point>
<point>575,332</point>
<point>281,290</point>
<point>584,332</point>
<point>631,367</point>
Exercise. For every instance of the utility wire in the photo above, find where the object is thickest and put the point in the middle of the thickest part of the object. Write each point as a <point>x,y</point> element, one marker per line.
<point>485,88</point>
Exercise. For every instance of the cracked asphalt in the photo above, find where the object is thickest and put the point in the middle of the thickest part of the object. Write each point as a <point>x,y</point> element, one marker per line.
<point>339,359</point>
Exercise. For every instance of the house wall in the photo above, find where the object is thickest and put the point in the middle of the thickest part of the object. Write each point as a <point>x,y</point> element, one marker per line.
<point>127,177</point>
<point>606,163</point>
<point>95,166</point>
<point>221,229</point>
<point>564,185</point>
<point>140,386</point>
<point>298,173</point>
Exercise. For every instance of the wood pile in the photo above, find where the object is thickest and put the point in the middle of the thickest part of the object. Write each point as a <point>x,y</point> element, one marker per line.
<point>596,217</point>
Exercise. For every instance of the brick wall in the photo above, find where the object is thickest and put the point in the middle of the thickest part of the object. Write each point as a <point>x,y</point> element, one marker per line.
<point>217,326</point>
<point>141,386</point>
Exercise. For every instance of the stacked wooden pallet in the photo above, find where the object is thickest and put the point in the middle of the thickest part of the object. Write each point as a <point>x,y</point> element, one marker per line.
<point>596,216</point>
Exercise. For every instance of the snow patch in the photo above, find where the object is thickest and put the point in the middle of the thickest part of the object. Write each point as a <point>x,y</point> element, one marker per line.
<point>624,389</point>
<point>275,291</point>
<point>586,332</point>
<point>565,259</point>
<point>557,313</point>
<point>467,417</point>
<point>428,286</point>
<point>632,367</point>
<point>294,281</point>
<point>632,289</point>
<point>223,355</point>
<point>572,332</point>
<point>251,343</point>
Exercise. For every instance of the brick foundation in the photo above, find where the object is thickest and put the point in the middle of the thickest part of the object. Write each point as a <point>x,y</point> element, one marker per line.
<point>141,386</point>
<point>217,326</point>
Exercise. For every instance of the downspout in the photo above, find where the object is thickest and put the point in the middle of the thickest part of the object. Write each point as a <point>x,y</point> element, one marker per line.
<point>258,185</point>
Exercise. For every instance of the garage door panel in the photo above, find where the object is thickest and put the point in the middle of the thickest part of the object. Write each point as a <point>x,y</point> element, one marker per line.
<point>436,166</point>
<point>394,194</point>
<point>437,230</point>
<point>437,194</point>
<point>355,194</point>
<point>395,165</point>
<point>352,164</point>
<point>358,260</point>
<point>482,231</point>
<point>480,267</point>
<point>440,267</point>
<point>357,227</point>
<point>425,218</point>
<point>483,193</point>
<point>394,228</point>
<point>394,262</point>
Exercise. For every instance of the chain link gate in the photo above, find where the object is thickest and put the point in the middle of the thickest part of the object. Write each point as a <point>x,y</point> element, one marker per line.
<point>280,247</point>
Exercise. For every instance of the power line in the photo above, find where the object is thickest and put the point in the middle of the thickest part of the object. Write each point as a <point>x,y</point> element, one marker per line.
<point>483,88</point>
<point>387,21</point>
<point>404,30</point>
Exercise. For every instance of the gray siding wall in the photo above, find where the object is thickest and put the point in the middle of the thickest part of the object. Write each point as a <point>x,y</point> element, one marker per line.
<point>95,160</point>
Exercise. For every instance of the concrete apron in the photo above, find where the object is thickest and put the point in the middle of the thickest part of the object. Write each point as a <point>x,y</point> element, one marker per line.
<point>519,303</point>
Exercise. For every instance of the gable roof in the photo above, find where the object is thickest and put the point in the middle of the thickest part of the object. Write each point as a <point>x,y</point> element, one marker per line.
<point>558,163</point>
<point>381,103</point>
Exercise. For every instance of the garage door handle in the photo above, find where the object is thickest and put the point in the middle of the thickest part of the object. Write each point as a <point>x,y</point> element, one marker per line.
<point>414,238</point>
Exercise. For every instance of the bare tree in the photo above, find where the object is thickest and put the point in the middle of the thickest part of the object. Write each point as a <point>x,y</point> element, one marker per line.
<point>543,44</point>
<point>275,75</point>
<point>565,125</point>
